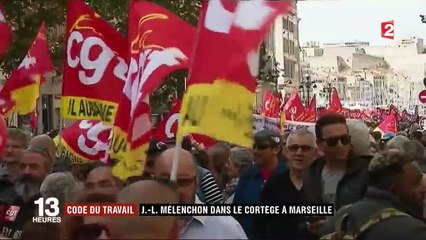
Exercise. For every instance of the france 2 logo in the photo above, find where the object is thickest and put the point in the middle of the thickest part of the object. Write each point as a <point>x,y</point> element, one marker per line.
<point>388,30</point>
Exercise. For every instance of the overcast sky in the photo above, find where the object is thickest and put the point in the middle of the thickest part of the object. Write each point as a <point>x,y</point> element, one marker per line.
<point>349,20</point>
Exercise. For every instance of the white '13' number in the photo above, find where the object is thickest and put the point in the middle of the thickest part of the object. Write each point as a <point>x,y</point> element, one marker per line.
<point>93,136</point>
<point>53,209</point>
<point>99,65</point>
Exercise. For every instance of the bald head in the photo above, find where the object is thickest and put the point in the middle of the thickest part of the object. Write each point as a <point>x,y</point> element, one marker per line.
<point>44,142</point>
<point>186,163</point>
<point>148,227</point>
<point>186,173</point>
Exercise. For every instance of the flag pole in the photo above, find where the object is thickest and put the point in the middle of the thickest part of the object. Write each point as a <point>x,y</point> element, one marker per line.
<point>173,173</point>
<point>61,122</point>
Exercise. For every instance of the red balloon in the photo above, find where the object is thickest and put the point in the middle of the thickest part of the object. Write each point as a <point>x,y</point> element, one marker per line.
<point>3,129</point>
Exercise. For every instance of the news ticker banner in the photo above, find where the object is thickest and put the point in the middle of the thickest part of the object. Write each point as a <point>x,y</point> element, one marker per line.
<point>195,210</point>
<point>48,210</point>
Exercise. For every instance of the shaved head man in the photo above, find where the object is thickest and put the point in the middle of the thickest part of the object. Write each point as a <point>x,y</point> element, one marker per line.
<point>186,174</point>
<point>101,180</point>
<point>147,227</point>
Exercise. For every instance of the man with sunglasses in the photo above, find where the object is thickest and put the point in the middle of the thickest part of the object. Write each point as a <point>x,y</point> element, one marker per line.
<point>194,227</point>
<point>266,151</point>
<point>287,188</point>
<point>338,177</point>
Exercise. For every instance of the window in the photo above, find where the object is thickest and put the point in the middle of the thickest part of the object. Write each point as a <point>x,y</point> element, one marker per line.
<point>290,26</point>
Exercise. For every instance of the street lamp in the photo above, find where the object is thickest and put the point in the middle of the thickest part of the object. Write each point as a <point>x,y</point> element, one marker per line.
<point>306,86</point>
<point>328,88</point>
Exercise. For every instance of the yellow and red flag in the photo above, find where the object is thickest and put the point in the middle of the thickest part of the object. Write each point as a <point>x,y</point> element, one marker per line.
<point>22,89</point>
<point>95,66</point>
<point>5,33</point>
<point>160,43</point>
<point>85,141</point>
<point>388,125</point>
<point>222,81</point>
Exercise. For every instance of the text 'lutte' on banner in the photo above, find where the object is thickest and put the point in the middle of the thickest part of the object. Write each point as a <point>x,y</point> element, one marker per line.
<point>95,66</point>
<point>221,86</point>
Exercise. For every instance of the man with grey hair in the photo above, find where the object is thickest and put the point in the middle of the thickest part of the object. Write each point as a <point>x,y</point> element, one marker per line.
<point>360,134</point>
<point>287,188</point>
<point>416,150</point>
<point>35,164</point>
<point>397,143</point>
<point>60,185</point>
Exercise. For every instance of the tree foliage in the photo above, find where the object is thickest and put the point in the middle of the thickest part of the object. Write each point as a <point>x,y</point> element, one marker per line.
<point>26,16</point>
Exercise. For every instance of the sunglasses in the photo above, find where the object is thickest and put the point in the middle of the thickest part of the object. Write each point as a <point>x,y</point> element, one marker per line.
<point>180,182</point>
<point>333,141</point>
<point>295,148</point>
<point>90,231</point>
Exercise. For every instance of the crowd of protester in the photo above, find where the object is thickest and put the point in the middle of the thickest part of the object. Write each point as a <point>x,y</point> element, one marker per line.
<point>375,183</point>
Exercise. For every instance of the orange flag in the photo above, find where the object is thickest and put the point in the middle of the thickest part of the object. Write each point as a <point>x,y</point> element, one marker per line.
<point>23,86</point>
<point>311,112</point>
<point>388,125</point>
<point>294,109</point>
<point>160,43</point>
<point>222,80</point>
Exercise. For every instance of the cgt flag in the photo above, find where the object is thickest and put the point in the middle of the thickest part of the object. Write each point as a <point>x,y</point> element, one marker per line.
<point>95,67</point>
<point>222,79</point>
<point>5,33</point>
<point>311,112</point>
<point>166,130</point>
<point>388,125</point>
<point>160,43</point>
<point>23,86</point>
<point>85,141</point>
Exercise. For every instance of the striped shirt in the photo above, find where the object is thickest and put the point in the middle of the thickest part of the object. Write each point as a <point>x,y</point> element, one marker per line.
<point>212,193</point>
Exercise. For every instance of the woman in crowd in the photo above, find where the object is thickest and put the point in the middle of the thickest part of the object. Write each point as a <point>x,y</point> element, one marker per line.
<point>239,159</point>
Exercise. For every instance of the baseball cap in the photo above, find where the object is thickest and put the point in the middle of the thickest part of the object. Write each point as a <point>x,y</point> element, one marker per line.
<point>156,146</point>
<point>268,137</point>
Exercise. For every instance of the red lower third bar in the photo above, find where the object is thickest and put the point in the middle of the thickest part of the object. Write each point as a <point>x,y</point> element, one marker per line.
<point>115,209</point>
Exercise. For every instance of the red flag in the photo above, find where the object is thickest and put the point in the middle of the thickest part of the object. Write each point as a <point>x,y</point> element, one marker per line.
<point>271,105</point>
<point>160,43</point>
<point>23,86</point>
<point>95,67</point>
<point>335,104</point>
<point>166,130</point>
<point>388,125</point>
<point>5,33</point>
<point>220,93</point>
<point>311,112</point>
<point>34,119</point>
<point>294,109</point>
<point>86,140</point>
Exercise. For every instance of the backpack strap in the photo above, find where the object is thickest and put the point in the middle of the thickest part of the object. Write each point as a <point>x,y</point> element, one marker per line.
<point>339,224</point>
<point>379,216</point>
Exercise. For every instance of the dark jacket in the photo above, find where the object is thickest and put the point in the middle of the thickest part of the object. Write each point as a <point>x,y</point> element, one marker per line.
<point>280,190</point>
<point>393,228</point>
<point>248,191</point>
<point>350,188</point>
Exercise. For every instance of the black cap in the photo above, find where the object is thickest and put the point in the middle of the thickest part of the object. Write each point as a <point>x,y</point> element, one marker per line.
<point>269,137</point>
<point>155,147</point>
